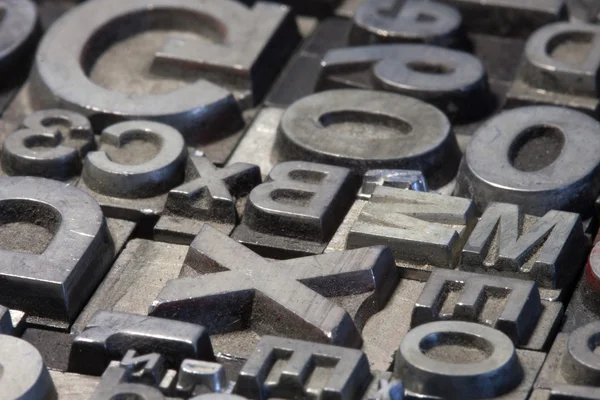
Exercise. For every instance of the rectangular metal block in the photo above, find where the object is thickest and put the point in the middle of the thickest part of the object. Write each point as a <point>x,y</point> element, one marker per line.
<point>120,232</point>
<point>531,362</point>
<point>522,94</point>
<point>540,394</point>
<point>297,209</point>
<point>217,150</point>
<point>508,17</point>
<point>348,8</point>
<point>12,322</point>
<point>142,270</point>
<point>584,10</point>
<point>424,230</point>
<point>299,77</point>
<point>571,365</point>
<point>135,279</point>
<point>508,242</point>
<point>71,386</point>
<point>53,346</point>
<point>210,195</point>
<point>344,372</point>
<point>237,310</point>
<point>556,70</point>
<point>258,144</point>
<point>500,55</point>
<point>551,372</point>
<point>385,330</point>
<point>583,308</point>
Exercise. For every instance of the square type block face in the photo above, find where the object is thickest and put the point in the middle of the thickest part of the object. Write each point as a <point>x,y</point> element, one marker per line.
<point>551,373</point>
<point>558,70</point>
<point>500,56</point>
<point>572,363</point>
<point>522,94</point>
<point>145,268</point>
<point>50,271</point>
<point>435,356</point>
<point>424,230</point>
<point>297,209</point>
<point>278,365</point>
<point>129,209</point>
<point>72,386</point>
<point>583,308</point>
<point>512,306</point>
<point>135,279</point>
<point>567,392</point>
<point>300,76</point>
<point>531,362</point>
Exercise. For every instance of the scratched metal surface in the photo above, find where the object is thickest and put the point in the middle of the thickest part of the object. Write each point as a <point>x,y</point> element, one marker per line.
<point>299,199</point>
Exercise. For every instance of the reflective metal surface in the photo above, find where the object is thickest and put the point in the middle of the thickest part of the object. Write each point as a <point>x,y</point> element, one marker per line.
<point>317,199</point>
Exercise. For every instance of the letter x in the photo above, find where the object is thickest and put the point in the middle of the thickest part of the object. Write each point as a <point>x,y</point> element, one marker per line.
<point>238,288</point>
<point>211,194</point>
